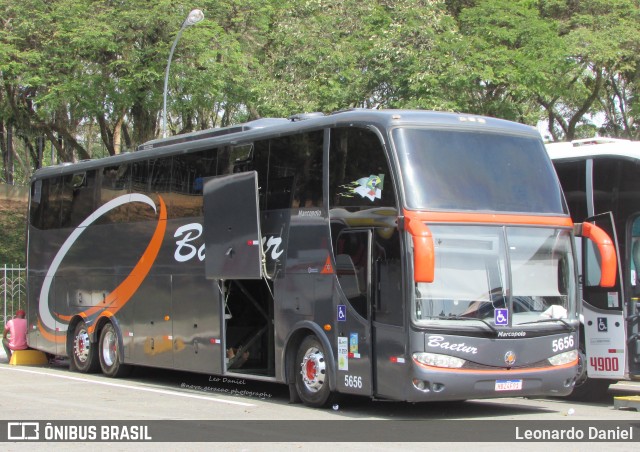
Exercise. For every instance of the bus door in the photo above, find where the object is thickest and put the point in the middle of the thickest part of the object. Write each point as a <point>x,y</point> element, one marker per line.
<point>354,271</point>
<point>603,310</point>
<point>633,307</point>
<point>368,267</point>
<point>234,260</point>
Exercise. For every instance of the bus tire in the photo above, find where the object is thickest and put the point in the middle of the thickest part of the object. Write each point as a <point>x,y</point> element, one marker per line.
<point>591,390</point>
<point>587,389</point>
<point>110,353</point>
<point>311,372</point>
<point>84,357</point>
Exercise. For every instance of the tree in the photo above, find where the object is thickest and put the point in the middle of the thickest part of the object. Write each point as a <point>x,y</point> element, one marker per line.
<point>505,56</point>
<point>601,39</point>
<point>77,71</point>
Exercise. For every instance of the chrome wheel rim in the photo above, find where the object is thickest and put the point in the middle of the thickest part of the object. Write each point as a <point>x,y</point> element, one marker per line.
<point>109,348</point>
<point>82,346</point>
<point>313,369</point>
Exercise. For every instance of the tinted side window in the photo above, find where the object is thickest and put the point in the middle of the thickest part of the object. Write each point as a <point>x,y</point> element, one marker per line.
<point>140,177</point>
<point>616,183</point>
<point>289,170</point>
<point>51,202</point>
<point>352,268</point>
<point>160,175</point>
<point>359,176</point>
<point>39,196</point>
<point>189,172</point>
<point>160,181</point>
<point>115,181</point>
<point>388,272</point>
<point>573,180</point>
<point>235,159</point>
<point>78,198</point>
<point>295,171</point>
<point>140,183</point>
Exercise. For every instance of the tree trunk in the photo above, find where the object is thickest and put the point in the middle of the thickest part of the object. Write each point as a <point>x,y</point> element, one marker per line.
<point>117,136</point>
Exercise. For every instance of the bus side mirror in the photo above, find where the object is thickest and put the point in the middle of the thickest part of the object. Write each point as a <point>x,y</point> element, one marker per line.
<point>605,247</point>
<point>423,250</point>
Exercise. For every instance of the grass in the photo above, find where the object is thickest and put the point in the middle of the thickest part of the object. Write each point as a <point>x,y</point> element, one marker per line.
<point>13,217</point>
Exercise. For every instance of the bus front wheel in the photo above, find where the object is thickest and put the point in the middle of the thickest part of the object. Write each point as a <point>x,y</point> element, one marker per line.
<point>110,359</point>
<point>312,379</point>
<point>587,389</point>
<point>83,354</point>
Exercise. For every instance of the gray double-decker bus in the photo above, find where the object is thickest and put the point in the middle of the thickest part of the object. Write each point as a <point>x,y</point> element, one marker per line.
<point>401,255</point>
<point>601,181</point>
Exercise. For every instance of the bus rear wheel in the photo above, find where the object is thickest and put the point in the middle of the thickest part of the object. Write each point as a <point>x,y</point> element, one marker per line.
<point>312,383</point>
<point>83,354</point>
<point>110,355</point>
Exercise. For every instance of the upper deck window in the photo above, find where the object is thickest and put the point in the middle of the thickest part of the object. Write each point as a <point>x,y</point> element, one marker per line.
<point>471,171</point>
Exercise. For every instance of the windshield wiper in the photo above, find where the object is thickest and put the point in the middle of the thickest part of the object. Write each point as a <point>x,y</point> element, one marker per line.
<point>567,324</point>
<point>453,317</point>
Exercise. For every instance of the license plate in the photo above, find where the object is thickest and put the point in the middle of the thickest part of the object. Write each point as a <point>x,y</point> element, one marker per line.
<point>508,385</point>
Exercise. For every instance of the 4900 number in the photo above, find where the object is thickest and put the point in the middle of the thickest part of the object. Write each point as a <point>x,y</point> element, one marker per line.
<point>601,364</point>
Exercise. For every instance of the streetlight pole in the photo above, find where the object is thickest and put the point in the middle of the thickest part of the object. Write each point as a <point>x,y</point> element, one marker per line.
<point>193,18</point>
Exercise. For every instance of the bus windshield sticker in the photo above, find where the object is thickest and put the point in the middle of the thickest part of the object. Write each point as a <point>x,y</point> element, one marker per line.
<point>353,345</point>
<point>343,349</point>
<point>501,317</point>
<point>367,187</point>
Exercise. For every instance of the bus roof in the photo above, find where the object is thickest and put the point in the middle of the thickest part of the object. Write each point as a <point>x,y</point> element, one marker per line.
<point>267,127</point>
<point>591,147</point>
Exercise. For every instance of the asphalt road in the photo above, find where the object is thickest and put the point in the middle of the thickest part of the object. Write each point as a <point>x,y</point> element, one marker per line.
<point>53,393</point>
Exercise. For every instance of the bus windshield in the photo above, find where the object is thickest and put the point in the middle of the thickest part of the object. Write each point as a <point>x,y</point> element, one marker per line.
<point>525,272</point>
<point>476,171</point>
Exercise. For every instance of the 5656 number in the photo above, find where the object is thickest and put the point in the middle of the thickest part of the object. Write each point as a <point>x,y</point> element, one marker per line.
<point>351,381</point>
<point>564,343</point>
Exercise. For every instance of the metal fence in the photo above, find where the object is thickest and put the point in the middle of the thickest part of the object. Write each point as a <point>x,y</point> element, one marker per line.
<point>13,290</point>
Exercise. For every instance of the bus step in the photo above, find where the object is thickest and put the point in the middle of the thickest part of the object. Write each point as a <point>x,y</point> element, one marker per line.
<point>28,358</point>
<point>627,402</point>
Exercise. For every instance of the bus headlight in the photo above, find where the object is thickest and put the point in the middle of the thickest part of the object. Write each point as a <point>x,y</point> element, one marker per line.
<point>564,358</point>
<point>433,359</point>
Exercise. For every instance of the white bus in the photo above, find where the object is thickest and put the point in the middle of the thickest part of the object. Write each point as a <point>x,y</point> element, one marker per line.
<point>601,181</point>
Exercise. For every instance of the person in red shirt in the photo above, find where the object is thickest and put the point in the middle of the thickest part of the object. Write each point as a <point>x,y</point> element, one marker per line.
<point>17,330</point>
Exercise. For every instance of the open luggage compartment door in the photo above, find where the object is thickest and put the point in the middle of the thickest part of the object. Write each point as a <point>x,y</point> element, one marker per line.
<point>233,242</point>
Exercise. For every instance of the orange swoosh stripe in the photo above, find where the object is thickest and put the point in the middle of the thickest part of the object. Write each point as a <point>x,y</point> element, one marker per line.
<point>92,328</point>
<point>57,339</point>
<point>123,293</point>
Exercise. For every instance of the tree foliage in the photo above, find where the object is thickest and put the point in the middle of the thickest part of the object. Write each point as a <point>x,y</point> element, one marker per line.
<point>80,76</point>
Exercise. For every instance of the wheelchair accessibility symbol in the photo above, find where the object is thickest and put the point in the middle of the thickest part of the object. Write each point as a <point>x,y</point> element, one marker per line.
<point>603,327</point>
<point>501,317</point>
<point>342,313</point>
